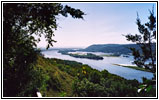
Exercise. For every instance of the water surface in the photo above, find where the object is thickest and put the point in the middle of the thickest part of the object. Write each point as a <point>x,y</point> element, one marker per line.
<point>106,63</point>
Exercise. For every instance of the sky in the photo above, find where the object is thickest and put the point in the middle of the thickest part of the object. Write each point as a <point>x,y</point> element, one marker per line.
<point>104,23</point>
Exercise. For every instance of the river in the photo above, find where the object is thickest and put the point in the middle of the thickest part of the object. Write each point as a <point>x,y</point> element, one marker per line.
<point>106,63</point>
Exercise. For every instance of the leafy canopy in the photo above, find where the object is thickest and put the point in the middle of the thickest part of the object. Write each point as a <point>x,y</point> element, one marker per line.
<point>38,18</point>
<point>20,22</point>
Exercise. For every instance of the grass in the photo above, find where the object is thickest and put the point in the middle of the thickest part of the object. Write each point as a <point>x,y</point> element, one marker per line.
<point>59,81</point>
<point>134,67</point>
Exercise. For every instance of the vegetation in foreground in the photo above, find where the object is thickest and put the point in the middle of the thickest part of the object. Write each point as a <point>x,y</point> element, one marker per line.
<point>70,78</point>
<point>21,23</point>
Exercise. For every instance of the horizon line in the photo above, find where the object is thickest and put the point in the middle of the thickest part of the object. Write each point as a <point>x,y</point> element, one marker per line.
<point>84,46</point>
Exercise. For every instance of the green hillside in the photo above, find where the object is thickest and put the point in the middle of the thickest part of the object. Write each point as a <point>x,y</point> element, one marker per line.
<point>59,81</point>
<point>73,79</point>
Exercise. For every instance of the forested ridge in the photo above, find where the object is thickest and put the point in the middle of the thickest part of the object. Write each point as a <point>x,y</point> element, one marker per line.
<point>114,48</point>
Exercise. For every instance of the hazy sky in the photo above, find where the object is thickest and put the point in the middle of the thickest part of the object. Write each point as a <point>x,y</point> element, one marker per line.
<point>103,23</point>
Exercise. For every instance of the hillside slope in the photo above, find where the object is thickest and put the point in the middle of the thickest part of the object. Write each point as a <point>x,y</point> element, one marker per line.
<point>73,79</point>
<point>59,81</point>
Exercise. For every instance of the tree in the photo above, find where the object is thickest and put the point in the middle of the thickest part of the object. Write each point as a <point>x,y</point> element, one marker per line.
<point>20,22</point>
<point>146,56</point>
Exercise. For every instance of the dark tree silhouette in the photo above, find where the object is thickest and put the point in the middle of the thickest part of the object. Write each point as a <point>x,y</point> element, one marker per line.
<point>20,22</point>
<point>146,56</point>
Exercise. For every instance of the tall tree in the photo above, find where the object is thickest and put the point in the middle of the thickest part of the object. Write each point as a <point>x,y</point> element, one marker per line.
<point>20,22</point>
<point>146,56</point>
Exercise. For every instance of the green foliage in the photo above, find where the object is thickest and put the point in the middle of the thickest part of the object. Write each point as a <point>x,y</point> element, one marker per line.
<point>89,82</point>
<point>95,77</point>
<point>147,89</point>
<point>70,78</point>
<point>104,73</point>
<point>147,85</point>
<point>62,94</point>
<point>105,87</point>
<point>21,22</point>
<point>39,80</point>
<point>19,73</point>
<point>86,88</point>
<point>59,82</point>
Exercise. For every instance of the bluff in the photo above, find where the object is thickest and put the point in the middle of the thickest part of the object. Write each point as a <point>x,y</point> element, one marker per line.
<point>114,48</point>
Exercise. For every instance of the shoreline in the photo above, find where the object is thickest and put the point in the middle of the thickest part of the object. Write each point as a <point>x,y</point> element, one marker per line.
<point>133,67</point>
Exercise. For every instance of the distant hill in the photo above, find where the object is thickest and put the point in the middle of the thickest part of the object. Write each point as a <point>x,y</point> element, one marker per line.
<point>113,48</point>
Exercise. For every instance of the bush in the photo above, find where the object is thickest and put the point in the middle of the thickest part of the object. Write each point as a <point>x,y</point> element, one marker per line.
<point>86,88</point>
<point>95,77</point>
<point>104,73</point>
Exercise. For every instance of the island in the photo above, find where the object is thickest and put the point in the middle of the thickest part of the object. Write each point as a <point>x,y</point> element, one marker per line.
<point>87,55</point>
<point>82,55</point>
<point>111,55</point>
